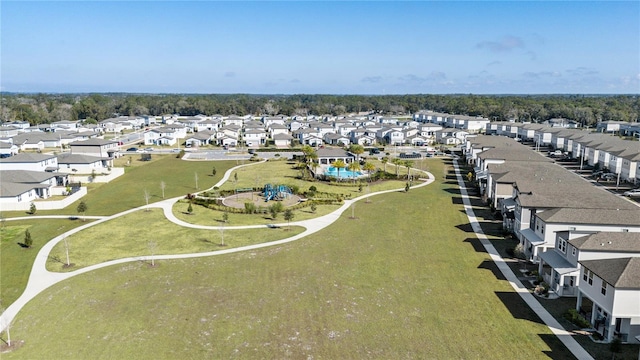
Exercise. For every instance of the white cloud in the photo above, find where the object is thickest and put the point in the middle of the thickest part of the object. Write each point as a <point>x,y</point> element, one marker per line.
<point>506,44</point>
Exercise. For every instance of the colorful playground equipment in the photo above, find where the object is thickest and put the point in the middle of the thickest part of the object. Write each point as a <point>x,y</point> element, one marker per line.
<point>279,192</point>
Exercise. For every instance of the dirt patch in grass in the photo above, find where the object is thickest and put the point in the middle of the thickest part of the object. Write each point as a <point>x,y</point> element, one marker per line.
<point>15,345</point>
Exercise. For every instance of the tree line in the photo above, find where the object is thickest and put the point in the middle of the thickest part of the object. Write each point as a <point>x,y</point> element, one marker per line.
<point>585,109</point>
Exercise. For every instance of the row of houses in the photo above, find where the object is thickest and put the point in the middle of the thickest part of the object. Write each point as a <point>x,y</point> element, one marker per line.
<point>29,176</point>
<point>600,150</point>
<point>282,131</point>
<point>584,239</point>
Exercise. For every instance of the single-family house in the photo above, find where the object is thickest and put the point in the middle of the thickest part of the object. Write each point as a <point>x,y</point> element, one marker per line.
<point>8,149</point>
<point>30,161</point>
<point>95,147</point>
<point>70,163</point>
<point>25,186</point>
<point>255,137</point>
<point>336,139</point>
<point>282,140</point>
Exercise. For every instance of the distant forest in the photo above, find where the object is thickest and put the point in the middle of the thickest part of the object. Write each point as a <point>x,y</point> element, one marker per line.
<point>586,109</point>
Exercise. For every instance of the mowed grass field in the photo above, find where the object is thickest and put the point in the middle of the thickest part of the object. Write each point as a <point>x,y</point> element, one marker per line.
<point>15,260</point>
<point>124,237</point>
<point>121,194</point>
<point>406,279</point>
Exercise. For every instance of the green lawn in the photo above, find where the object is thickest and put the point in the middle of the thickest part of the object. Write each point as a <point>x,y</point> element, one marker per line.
<point>403,280</point>
<point>15,260</point>
<point>124,237</point>
<point>128,191</point>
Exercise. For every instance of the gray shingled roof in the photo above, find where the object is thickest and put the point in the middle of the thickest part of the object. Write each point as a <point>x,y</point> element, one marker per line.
<point>513,153</point>
<point>93,142</point>
<point>592,216</point>
<point>482,141</point>
<point>621,273</point>
<point>332,152</point>
<point>27,158</point>
<point>67,158</point>
<point>608,241</point>
<point>512,171</point>
<point>282,136</point>
<point>16,182</point>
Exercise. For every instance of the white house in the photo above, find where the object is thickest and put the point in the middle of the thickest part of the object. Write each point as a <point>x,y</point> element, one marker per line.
<point>95,147</point>
<point>255,137</point>
<point>25,186</point>
<point>30,161</point>
<point>560,266</point>
<point>613,287</point>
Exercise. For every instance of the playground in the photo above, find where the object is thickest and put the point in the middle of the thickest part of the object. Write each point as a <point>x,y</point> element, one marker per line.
<point>265,198</point>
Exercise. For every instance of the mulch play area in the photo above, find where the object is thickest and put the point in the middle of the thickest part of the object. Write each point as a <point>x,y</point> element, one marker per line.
<point>238,200</point>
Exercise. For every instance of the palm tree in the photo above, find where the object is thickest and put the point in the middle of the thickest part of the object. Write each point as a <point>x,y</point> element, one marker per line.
<point>354,167</point>
<point>339,164</point>
<point>368,167</point>
<point>357,150</point>
<point>397,162</point>
<point>409,165</point>
<point>385,160</point>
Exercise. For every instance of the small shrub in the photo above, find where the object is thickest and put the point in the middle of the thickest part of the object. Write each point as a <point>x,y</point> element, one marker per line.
<point>28,240</point>
<point>573,316</point>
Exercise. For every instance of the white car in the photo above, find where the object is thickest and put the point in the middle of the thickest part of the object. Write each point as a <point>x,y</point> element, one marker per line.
<point>632,193</point>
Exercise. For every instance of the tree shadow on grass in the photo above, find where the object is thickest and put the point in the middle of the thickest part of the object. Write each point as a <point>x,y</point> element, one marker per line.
<point>558,350</point>
<point>465,227</point>
<point>490,265</point>
<point>517,307</point>
<point>477,245</point>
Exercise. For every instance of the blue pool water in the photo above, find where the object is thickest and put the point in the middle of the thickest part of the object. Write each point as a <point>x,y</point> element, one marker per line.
<point>344,173</point>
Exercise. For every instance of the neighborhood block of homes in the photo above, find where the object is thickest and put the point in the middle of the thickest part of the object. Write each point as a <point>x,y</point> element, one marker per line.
<point>584,239</point>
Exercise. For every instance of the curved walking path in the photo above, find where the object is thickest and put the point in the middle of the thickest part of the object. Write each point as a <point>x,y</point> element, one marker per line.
<point>566,337</point>
<point>41,278</point>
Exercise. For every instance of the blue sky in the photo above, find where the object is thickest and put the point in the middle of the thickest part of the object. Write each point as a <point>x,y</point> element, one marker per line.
<point>438,47</point>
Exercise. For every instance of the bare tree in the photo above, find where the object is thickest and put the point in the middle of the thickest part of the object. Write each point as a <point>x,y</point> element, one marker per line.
<point>7,328</point>
<point>147,196</point>
<point>66,250</point>
<point>163,185</point>
<point>152,248</point>
<point>221,229</point>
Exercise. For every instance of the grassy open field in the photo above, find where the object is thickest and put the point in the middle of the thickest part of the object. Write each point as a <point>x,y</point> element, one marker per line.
<point>124,237</point>
<point>406,279</point>
<point>128,191</point>
<point>15,260</point>
<point>121,194</point>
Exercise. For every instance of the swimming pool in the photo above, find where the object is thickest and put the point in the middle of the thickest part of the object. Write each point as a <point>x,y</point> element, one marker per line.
<point>344,173</point>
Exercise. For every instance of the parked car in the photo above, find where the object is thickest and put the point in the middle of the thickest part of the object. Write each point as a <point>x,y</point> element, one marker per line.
<point>140,151</point>
<point>632,193</point>
<point>132,149</point>
<point>608,177</point>
<point>148,149</point>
